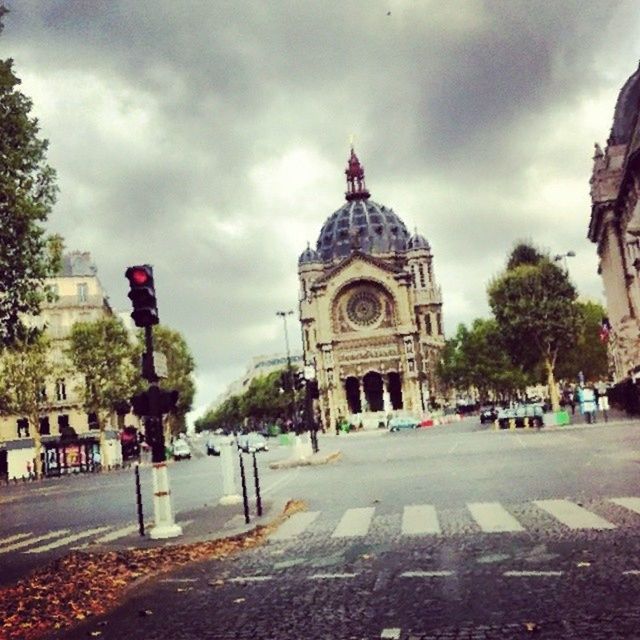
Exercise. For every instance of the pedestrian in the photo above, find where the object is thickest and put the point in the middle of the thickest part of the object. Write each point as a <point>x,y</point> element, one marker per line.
<point>603,399</point>
<point>29,475</point>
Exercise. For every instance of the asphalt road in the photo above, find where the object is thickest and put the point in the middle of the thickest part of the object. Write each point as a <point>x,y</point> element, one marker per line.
<point>40,521</point>
<point>450,532</point>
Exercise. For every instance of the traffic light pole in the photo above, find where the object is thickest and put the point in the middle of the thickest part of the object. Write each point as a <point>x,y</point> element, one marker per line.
<point>165,525</point>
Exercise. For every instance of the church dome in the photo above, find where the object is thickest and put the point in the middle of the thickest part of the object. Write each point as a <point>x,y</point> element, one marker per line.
<point>418,241</point>
<point>360,224</point>
<point>626,110</point>
<point>308,255</point>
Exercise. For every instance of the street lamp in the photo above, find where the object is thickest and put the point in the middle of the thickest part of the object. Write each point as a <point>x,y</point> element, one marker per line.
<point>563,257</point>
<point>294,411</point>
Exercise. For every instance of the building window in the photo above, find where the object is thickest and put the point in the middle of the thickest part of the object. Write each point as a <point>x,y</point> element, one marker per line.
<point>45,427</point>
<point>43,394</point>
<point>83,293</point>
<point>421,271</point>
<point>439,323</point>
<point>61,389</point>
<point>23,428</point>
<point>413,276</point>
<point>63,421</point>
<point>427,324</point>
<point>92,420</point>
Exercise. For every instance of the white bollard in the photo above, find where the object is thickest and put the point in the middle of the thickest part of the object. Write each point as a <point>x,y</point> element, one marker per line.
<point>165,526</point>
<point>302,448</point>
<point>229,488</point>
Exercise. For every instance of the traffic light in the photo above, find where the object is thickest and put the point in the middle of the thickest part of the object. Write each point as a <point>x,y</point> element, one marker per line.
<point>154,401</point>
<point>298,380</point>
<point>142,294</point>
<point>312,389</point>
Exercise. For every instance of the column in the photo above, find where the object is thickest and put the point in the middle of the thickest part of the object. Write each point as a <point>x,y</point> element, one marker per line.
<point>363,396</point>
<point>386,395</point>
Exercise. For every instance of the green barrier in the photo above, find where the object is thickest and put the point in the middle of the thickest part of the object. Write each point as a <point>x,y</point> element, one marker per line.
<point>562,418</point>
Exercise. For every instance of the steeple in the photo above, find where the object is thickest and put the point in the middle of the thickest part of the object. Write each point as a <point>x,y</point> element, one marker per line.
<point>356,188</point>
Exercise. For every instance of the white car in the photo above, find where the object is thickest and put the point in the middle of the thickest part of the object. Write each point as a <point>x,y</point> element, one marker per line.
<point>181,450</point>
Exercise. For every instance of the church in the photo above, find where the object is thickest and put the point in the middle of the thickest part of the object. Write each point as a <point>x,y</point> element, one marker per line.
<point>370,312</point>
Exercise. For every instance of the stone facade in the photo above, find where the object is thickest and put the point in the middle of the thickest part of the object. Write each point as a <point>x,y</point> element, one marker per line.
<point>80,298</point>
<point>615,228</point>
<point>370,313</point>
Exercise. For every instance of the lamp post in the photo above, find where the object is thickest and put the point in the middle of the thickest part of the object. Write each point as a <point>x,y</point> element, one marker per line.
<point>283,315</point>
<point>563,257</point>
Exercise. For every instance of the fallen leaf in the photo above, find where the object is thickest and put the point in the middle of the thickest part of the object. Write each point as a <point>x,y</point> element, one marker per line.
<point>145,613</point>
<point>583,564</point>
<point>531,626</point>
<point>238,600</point>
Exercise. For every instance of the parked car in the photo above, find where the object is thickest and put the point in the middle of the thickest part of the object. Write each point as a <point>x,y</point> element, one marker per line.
<point>181,450</point>
<point>534,412</point>
<point>253,442</point>
<point>213,447</point>
<point>488,414</point>
<point>404,422</point>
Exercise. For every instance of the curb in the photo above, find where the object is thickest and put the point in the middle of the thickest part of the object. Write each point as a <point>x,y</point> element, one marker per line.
<point>306,462</point>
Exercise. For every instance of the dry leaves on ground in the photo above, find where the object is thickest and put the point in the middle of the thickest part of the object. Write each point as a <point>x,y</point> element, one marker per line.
<point>84,584</point>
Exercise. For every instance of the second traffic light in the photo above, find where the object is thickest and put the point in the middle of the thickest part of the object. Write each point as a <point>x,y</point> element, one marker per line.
<point>142,294</point>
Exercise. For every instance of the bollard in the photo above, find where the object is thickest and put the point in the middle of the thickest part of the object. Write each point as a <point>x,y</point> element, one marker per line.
<point>139,500</point>
<point>526,422</point>
<point>245,498</point>
<point>512,423</point>
<point>256,480</point>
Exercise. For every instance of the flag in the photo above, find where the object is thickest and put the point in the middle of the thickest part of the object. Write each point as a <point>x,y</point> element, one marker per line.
<point>605,330</point>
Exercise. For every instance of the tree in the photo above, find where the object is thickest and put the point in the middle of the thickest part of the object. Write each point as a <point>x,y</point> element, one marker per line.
<point>100,351</point>
<point>590,353</point>
<point>25,368</point>
<point>180,366</point>
<point>534,307</point>
<point>27,194</point>
<point>524,253</point>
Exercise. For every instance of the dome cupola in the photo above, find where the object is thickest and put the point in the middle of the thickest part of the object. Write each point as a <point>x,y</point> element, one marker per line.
<point>308,256</point>
<point>418,241</point>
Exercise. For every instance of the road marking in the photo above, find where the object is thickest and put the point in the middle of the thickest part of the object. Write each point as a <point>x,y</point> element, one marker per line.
<point>117,534</point>
<point>572,515</point>
<point>521,442</point>
<point>633,504</point>
<point>68,539</point>
<point>527,574</point>
<point>454,447</point>
<point>393,633</point>
<point>281,480</point>
<point>354,522</point>
<point>26,543</point>
<point>419,519</point>
<point>492,517</point>
<point>295,525</point>
<point>332,576</point>
<point>250,579</point>
<point>426,574</point>
<point>13,538</point>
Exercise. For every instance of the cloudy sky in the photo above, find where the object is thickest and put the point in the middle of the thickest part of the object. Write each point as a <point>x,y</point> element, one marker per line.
<point>210,138</point>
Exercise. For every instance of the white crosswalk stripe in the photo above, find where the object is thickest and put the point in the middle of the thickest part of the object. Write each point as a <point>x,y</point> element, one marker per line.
<point>67,540</point>
<point>492,517</point>
<point>633,504</point>
<point>420,519</point>
<point>117,534</point>
<point>572,515</point>
<point>13,538</point>
<point>295,525</point>
<point>354,522</point>
<point>25,543</point>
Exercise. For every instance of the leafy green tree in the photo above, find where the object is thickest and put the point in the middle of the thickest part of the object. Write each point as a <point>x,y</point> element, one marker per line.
<point>524,253</point>
<point>535,309</point>
<point>590,353</point>
<point>25,368</point>
<point>180,367</point>
<point>27,194</point>
<point>100,352</point>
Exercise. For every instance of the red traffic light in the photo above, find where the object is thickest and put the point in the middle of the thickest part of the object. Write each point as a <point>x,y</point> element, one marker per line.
<point>139,276</point>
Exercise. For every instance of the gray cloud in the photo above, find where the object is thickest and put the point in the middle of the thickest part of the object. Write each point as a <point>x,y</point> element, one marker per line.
<point>209,139</point>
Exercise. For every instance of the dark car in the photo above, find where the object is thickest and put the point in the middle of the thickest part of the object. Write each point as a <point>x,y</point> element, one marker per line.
<point>488,414</point>
<point>213,447</point>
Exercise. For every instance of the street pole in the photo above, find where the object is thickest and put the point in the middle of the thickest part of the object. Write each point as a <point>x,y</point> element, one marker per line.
<point>293,407</point>
<point>165,525</point>
<point>139,500</point>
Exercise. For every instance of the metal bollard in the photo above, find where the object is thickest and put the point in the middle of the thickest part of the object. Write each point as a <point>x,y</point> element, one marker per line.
<point>245,498</point>
<point>256,480</point>
<point>139,500</point>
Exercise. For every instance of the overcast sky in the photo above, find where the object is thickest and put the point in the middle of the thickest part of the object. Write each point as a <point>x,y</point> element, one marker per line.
<point>210,139</point>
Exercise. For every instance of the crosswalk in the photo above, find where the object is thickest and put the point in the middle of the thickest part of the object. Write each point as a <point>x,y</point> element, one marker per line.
<point>486,517</point>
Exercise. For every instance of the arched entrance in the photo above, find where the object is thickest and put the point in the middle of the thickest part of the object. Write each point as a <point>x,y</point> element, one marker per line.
<point>352,389</point>
<point>395,390</point>
<point>373,387</point>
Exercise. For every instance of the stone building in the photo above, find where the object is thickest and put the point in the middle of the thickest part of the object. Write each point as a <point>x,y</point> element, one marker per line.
<point>615,228</point>
<point>80,298</point>
<point>371,312</point>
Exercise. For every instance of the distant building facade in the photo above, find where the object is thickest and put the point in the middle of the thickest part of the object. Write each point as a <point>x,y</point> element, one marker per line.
<point>370,312</point>
<point>615,228</point>
<point>80,297</point>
